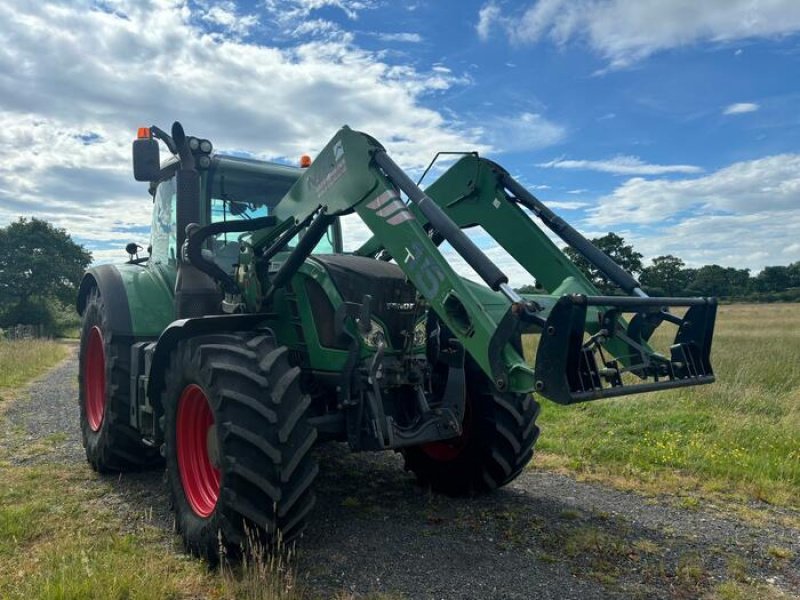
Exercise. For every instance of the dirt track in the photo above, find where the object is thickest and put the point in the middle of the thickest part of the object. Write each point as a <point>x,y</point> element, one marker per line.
<point>544,536</point>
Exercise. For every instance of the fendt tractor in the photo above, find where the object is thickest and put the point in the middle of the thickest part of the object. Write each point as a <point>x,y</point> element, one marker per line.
<point>246,335</point>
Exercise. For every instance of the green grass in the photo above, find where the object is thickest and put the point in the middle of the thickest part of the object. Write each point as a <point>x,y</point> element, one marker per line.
<point>22,360</point>
<point>60,539</point>
<point>740,434</point>
<point>62,535</point>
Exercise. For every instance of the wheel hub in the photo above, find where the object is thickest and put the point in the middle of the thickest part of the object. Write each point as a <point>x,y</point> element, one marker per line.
<point>212,446</point>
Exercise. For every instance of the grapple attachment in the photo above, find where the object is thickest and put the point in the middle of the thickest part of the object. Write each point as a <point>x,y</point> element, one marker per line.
<point>574,365</point>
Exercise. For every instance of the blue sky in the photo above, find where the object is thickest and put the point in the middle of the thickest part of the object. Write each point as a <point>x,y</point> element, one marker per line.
<point>672,123</point>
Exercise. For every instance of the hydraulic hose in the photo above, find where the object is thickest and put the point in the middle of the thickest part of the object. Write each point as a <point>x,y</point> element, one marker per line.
<point>194,246</point>
<point>569,234</point>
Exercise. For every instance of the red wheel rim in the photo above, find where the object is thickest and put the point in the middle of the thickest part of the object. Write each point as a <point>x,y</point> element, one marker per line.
<point>448,450</point>
<point>94,377</point>
<point>199,476</point>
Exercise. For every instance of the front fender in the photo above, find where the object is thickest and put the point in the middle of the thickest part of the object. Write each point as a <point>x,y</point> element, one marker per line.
<point>185,329</point>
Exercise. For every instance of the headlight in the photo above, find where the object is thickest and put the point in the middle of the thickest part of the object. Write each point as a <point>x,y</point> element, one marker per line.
<point>420,334</point>
<point>375,336</point>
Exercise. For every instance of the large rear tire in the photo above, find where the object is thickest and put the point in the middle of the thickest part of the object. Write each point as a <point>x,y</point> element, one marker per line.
<point>499,432</point>
<point>110,442</point>
<point>237,444</point>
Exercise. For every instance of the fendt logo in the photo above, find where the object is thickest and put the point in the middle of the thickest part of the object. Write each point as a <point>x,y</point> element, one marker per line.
<point>338,151</point>
<point>389,206</point>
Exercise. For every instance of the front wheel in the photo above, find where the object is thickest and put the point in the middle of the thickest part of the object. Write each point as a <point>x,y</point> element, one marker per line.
<point>498,434</point>
<point>237,444</point>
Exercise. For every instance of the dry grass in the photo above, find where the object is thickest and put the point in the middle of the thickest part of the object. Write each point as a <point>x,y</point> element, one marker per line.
<point>22,360</point>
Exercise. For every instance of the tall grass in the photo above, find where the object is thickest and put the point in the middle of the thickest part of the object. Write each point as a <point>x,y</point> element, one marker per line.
<point>22,360</point>
<point>740,434</point>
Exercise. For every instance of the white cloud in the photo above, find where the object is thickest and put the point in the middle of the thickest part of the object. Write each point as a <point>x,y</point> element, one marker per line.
<point>488,16</point>
<point>524,131</point>
<point>65,133</point>
<point>624,32</point>
<point>620,165</point>
<point>565,205</point>
<point>740,107</point>
<point>319,28</point>
<point>744,241</point>
<point>767,184</point>
<point>294,10</point>
<point>48,169</point>
<point>412,38</point>
<point>224,14</point>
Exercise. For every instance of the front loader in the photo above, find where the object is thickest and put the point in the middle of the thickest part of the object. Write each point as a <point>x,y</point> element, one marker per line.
<point>246,336</point>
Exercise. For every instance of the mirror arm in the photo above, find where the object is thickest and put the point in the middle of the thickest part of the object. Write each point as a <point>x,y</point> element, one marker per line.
<point>162,135</point>
<point>182,144</point>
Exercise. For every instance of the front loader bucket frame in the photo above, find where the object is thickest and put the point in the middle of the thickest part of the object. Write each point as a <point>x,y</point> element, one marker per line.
<point>572,366</point>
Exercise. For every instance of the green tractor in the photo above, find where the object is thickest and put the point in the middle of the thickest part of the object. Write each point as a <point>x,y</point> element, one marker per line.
<point>246,335</point>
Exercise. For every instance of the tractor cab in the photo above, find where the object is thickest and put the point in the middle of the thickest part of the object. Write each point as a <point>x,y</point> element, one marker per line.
<point>230,189</point>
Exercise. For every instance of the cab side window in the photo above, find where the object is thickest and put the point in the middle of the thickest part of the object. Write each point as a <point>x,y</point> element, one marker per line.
<point>163,236</point>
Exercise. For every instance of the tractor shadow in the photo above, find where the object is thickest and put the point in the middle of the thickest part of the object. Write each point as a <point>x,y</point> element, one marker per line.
<point>374,530</point>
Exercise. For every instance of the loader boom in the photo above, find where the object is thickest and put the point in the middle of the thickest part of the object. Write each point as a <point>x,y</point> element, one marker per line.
<point>354,173</point>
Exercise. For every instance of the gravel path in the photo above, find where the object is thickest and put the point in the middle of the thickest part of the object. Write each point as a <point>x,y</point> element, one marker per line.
<point>544,536</point>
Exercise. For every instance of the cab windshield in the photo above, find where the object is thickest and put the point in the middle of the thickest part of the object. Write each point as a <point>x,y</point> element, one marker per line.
<point>246,189</point>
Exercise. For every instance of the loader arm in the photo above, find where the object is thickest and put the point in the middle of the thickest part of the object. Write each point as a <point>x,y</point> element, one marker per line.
<point>587,349</point>
<point>353,173</point>
<point>472,193</point>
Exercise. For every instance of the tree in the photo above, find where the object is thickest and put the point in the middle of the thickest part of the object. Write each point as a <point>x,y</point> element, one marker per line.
<point>534,288</point>
<point>794,274</point>
<point>774,279</point>
<point>39,263</point>
<point>613,245</point>
<point>714,280</point>
<point>667,274</point>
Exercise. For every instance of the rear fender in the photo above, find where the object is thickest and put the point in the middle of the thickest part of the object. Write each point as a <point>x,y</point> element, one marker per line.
<point>107,279</point>
<point>139,302</point>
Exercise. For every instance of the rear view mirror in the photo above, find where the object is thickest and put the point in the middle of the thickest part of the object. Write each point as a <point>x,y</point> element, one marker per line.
<point>146,163</point>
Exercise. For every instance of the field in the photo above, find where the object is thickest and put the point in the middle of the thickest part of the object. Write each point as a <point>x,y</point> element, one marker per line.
<point>739,436</point>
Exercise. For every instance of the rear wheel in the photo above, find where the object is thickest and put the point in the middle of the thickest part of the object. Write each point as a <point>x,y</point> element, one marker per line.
<point>499,431</point>
<point>237,444</point>
<point>104,392</point>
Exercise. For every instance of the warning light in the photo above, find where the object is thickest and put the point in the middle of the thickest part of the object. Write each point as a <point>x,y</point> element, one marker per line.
<point>144,133</point>
<point>305,161</point>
